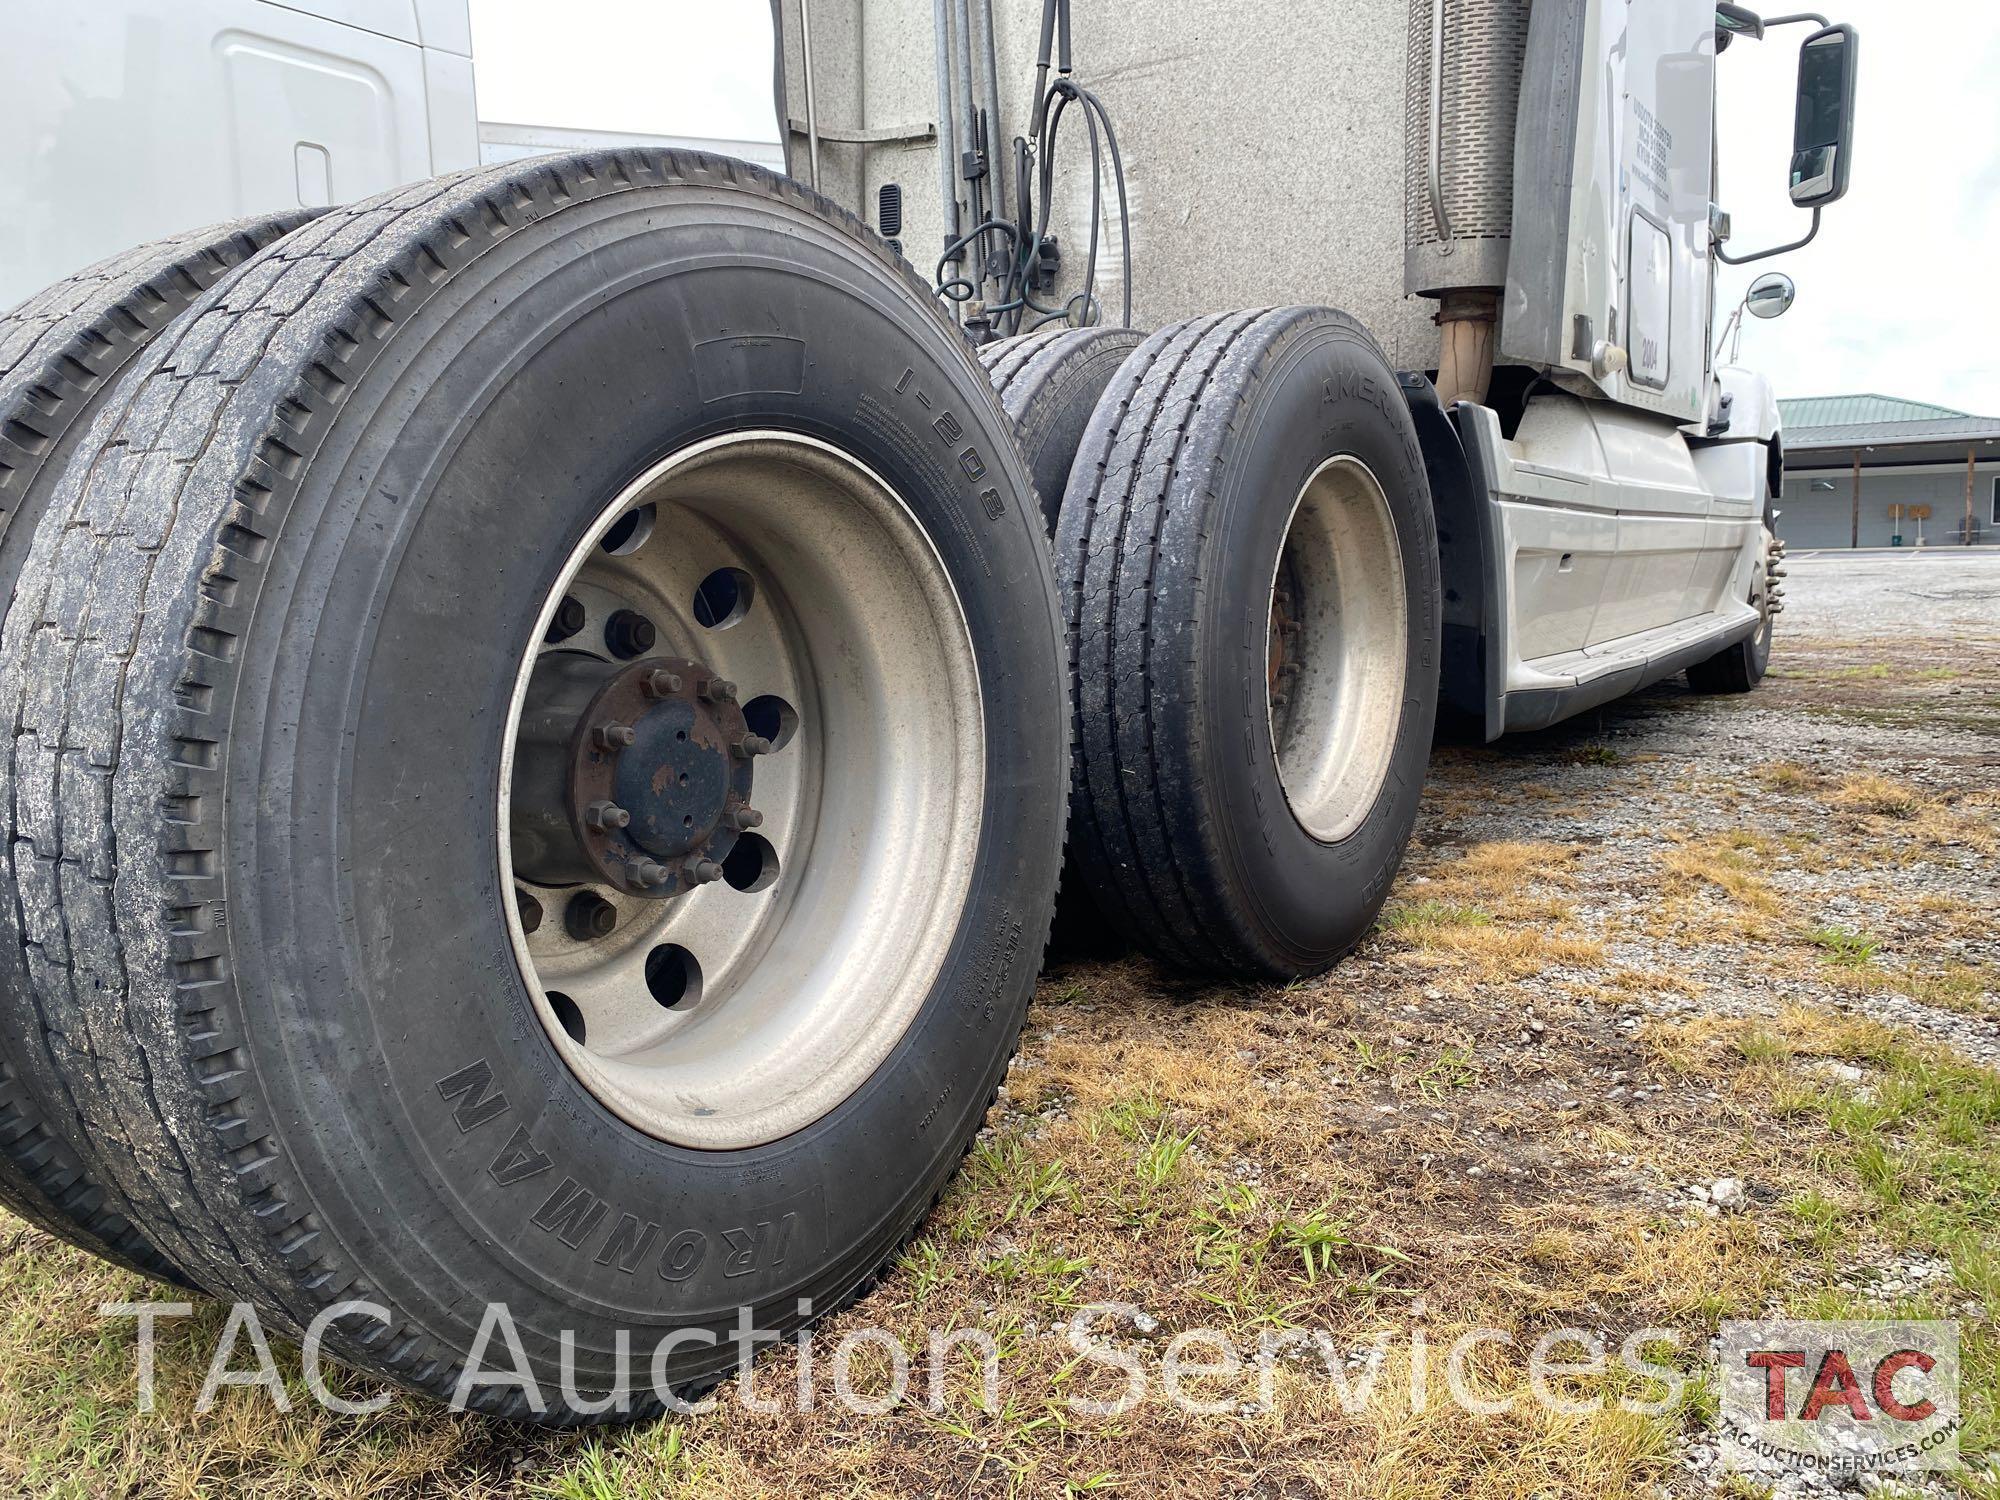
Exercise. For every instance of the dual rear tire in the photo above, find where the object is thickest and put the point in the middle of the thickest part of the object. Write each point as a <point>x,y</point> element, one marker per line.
<point>1248,556</point>
<point>269,666</point>
<point>60,353</point>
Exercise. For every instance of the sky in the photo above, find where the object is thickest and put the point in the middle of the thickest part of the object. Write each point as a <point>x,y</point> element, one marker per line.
<point>1893,296</point>
<point>1877,309</point>
<point>663,67</point>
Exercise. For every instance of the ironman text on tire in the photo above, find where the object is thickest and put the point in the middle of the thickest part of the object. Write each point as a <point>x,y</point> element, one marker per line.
<point>569,516</point>
<point>1249,559</point>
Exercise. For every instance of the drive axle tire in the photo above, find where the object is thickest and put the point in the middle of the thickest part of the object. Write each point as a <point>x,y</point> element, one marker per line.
<point>1049,381</point>
<point>59,352</point>
<point>531,523</point>
<point>1249,559</point>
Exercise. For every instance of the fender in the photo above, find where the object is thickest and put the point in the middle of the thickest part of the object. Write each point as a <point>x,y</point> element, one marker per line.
<point>1471,672</point>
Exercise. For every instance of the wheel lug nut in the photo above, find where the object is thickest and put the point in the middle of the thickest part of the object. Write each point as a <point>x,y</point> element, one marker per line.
<point>660,684</point>
<point>717,690</point>
<point>629,633</point>
<point>613,736</point>
<point>530,910</point>
<point>701,871</point>
<point>589,916</point>
<point>752,744</point>
<point>568,619</point>
<point>743,817</point>
<point>604,816</point>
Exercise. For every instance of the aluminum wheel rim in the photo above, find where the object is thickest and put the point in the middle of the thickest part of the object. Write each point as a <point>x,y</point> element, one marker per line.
<point>1338,645</point>
<point>795,984</point>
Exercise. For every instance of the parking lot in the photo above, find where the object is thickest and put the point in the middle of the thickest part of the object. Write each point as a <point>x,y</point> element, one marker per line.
<point>1685,1010</point>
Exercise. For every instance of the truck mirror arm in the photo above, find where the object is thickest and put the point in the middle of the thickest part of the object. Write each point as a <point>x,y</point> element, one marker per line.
<point>1743,260</point>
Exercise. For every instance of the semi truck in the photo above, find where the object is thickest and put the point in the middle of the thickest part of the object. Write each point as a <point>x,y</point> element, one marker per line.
<point>550,704</point>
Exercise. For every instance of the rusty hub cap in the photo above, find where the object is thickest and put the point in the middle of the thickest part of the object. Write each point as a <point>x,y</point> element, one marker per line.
<point>636,777</point>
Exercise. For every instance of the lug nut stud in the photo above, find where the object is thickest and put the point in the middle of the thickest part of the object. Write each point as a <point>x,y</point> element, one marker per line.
<point>717,690</point>
<point>629,633</point>
<point>589,916</point>
<point>743,817</point>
<point>613,736</point>
<point>648,872</point>
<point>660,684</point>
<point>752,744</point>
<point>701,871</point>
<point>568,620</point>
<point>604,816</point>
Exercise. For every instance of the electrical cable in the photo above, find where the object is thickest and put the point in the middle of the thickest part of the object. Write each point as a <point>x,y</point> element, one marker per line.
<point>1035,165</point>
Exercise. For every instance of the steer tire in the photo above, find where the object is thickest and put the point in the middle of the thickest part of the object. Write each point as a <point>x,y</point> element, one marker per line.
<point>1171,554</point>
<point>1049,381</point>
<point>59,353</point>
<point>345,483</point>
<point>1740,666</point>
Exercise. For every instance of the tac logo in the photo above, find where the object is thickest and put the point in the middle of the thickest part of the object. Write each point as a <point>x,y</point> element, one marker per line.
<point>1852,1398</point>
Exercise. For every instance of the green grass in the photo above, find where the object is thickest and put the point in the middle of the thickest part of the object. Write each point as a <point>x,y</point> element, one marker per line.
<point>1842,946</point>
<point>1427,916</point>
<point>1920,1145</point>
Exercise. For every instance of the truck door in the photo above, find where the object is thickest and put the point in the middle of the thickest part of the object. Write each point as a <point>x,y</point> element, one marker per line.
<point>129,119</point>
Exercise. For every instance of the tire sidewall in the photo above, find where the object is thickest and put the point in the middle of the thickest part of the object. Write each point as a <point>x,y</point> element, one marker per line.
<point>427,1110</point>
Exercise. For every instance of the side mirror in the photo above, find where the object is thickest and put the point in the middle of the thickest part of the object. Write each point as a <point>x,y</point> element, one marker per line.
<point>1770,295</point>
<point>1823,128</point>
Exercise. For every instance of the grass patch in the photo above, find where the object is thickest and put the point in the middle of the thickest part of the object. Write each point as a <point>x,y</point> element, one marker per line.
<point>1843,946</point>
<point>1786,776</point>
<point>1418,918</point>
<point>1878,795</point>
<point>1908,1160</point>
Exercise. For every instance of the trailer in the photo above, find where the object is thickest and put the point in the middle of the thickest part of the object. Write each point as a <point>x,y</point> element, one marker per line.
<point>551,704</point>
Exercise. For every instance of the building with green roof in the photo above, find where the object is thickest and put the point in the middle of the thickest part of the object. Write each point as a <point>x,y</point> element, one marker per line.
<point>1876,471</point>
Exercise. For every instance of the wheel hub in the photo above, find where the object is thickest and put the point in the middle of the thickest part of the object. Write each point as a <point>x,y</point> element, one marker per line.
<point>637,776</point>
<point>716,974</point>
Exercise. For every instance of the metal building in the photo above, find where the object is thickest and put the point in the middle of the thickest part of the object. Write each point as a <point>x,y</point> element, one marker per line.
<point>1874,471</point>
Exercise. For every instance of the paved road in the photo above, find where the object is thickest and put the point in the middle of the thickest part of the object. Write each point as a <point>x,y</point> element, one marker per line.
<point>1929,591</point>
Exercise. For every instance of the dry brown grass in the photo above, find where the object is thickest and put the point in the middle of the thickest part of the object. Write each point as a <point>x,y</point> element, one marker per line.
<point>1499,909</point>
<point>1896,823</point>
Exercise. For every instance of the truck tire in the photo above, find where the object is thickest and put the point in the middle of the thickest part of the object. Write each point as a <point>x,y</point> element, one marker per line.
<point>1249,559</point>
<point>1049,381</point>
<point>59,352</point>
<point>462,971</point>
<point>1739,667</point>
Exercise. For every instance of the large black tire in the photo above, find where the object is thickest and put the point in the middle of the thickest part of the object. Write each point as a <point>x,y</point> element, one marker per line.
<point>59,352</point>
<point>1177,508</point>
<point>355,469</point>
<point>1049,381</point>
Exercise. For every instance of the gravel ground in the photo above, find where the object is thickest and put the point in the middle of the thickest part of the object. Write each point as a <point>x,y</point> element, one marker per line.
<point>1886,670</point>
<point>1907,591</point>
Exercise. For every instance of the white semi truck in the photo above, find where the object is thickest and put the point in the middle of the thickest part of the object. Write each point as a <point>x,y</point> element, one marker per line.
<point>548,705</point>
